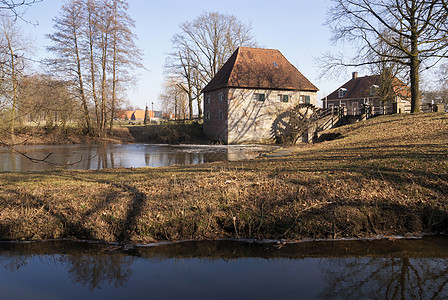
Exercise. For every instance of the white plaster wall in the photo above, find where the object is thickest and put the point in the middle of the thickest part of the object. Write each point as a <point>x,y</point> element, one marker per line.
<point>250,121</point>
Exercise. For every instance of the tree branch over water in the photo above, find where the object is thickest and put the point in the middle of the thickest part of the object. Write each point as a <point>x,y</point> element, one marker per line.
<point>38,160</point>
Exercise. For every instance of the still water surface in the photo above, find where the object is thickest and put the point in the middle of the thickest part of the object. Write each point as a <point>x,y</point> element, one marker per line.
<point>127,156</point>
<point>400,269</point>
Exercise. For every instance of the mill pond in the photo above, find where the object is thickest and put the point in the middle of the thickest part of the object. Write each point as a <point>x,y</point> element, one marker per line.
<point>88,157</point>
<point>378,269</point>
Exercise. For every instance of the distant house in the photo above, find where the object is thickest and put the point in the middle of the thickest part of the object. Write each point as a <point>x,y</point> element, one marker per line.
<point>134,115</point>
<point>249,92</point>
<point>125,114</point>
<point>360,92</point>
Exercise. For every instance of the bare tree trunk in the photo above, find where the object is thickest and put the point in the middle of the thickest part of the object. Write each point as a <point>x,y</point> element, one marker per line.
<point>92,67</point>
<point>14,80</point>
<point>81,84</point>
<point>175,107</point>
<point>114,68</point>
<point>13,69</point>
<point>414,71</point>
<point>199,107</point>
<point>103,86</point>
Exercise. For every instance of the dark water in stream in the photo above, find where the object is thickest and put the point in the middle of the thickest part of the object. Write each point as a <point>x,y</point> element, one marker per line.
<point>381,269</point>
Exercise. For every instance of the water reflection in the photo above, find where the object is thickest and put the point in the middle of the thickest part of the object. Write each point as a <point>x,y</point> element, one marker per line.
<point>95,271</point>
<point>346,270</point>
<point>126,156</point>
<point>387,278</point>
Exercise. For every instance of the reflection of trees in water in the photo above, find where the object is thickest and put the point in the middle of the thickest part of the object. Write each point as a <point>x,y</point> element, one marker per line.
<point>14,263</point>
<point>346,278</point>
<point>103,160</point>
<point>89,271</point>
<point>385,278</point>
<point>93,271</point>
<point>111,156</point>
<point>179,158</point>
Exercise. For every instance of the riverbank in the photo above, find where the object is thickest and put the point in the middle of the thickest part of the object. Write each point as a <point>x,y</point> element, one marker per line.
<point>190,133</point>
<point>385,176</point>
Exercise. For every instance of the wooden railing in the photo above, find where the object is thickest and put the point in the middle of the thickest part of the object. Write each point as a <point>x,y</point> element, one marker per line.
<point>332,117</point>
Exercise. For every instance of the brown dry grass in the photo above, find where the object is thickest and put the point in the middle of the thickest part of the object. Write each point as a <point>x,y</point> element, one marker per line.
<point>33,135</point>
<point>385,176</point>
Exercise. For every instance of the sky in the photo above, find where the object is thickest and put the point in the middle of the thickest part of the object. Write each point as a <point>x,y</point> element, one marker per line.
<point>295,27</point>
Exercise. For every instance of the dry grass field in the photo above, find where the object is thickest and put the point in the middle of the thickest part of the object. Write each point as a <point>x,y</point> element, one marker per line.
<point>385,176</point>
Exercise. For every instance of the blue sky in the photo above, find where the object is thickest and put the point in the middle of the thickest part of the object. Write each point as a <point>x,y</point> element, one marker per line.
<point>295,27</point>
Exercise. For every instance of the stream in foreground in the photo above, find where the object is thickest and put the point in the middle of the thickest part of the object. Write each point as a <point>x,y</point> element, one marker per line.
<point>381,269</point>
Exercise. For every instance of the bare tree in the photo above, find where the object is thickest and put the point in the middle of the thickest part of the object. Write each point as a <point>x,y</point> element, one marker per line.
<point>437,93</point>
<point>94,39</point>
<point>415,29</point>
<point>125,54</point>
<point>12,64</point>
<point>11,7</point>
<point>12,51</point>
<point>174,99</point>
<point>201,49</point>
<point>67,46</point>
<point>388,85</point>
<point>44,100</point>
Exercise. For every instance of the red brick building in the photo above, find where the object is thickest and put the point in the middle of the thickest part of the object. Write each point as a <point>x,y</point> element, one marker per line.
<point>249,92</point>
<point>361,91</point>
<point>134,115</point>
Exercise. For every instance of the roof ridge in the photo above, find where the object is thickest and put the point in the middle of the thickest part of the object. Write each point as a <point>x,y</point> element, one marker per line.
<point>232,67</point>
<point>250,67</point>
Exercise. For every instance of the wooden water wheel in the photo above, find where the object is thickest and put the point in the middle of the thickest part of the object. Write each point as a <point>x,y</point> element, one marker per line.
<point>293,124</point>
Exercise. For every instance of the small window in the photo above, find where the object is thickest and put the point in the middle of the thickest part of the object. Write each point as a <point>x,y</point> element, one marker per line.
<point>275,65</point>
<point>305,99</point>
<point>283,98</point>
<point>342,92</point>
<point>374,90</point>
<point>207,99</point>
<point>221,97</point>
<point>221,115</point>
<point>259,97</point>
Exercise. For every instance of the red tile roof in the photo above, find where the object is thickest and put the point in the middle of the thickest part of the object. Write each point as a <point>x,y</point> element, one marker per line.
<point>125,113</point>
<point>138,114</point>
<point>260,69</point>
<point>359,87</point>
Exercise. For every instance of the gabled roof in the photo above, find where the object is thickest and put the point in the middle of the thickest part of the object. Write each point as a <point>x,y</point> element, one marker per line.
<point>132,114</point>
<point>257,68</point>
<point>359,87</point>
<point>125,114</point>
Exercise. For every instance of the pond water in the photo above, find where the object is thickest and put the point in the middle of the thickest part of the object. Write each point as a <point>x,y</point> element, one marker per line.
<point>86,157</point>
<point>381,269</point>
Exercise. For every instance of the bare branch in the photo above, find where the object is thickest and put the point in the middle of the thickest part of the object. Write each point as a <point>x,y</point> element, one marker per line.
<point>202,48</point>
<point>414,32</point>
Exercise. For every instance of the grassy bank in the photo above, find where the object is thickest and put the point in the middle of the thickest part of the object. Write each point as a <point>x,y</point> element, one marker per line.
<point>57,135</point>
<point>388,175</point>
<point>174,133</point>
